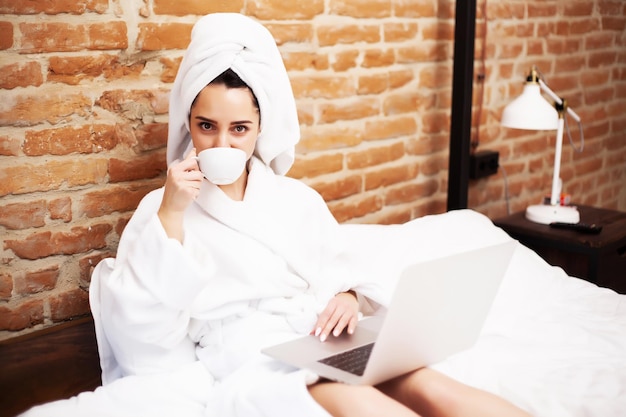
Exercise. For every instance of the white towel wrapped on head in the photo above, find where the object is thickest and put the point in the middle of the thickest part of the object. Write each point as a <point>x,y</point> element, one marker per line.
<point>221,41</point>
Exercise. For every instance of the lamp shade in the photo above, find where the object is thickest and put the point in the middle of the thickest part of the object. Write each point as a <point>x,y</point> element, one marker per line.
<point>530,111</point>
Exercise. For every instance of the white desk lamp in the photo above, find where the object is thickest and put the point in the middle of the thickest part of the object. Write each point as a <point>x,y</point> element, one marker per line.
<point>532,112</point>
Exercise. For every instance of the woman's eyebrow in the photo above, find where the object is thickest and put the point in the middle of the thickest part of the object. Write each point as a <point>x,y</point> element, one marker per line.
<point>236,122</point>
<point>205,119</point>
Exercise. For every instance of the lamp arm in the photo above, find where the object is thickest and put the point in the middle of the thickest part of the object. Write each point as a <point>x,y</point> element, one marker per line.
<point>557,99</point>
<point>573,114</point>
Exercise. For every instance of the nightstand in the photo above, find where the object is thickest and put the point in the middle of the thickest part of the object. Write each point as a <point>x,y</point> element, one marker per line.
<point>599,258</point>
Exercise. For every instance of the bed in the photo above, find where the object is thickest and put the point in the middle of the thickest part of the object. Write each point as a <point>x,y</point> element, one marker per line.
<point>553,344</point>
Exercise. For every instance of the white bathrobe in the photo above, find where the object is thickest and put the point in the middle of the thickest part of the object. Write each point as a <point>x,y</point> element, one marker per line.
<point>270,263</point>
<point>250,273</point>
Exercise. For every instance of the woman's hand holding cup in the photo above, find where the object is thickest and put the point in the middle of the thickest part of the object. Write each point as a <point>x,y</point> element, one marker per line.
<point>182,187</point>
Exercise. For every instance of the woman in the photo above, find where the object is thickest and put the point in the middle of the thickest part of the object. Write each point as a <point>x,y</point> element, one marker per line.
<point>206,274</point>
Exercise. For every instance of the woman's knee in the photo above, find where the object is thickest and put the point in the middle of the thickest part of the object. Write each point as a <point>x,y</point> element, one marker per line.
<point>342,400</point>
<point>425,391</point>
<point>338,399</point>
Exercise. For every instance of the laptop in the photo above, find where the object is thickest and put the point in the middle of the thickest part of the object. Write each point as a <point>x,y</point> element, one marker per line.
<point>438,308</point>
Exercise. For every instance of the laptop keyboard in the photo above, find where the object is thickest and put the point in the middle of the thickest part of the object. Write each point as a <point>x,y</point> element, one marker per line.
<point>353,361</point>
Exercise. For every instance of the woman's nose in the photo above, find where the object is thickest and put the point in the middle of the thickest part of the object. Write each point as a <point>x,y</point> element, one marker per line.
<point>222,140</point>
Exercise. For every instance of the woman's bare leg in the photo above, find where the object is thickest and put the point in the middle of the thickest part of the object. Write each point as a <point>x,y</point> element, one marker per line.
<point>342,400</point>
<point>434,394</point>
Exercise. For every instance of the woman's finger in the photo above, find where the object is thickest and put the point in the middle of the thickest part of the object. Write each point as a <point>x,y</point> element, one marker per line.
<point>341,312</point>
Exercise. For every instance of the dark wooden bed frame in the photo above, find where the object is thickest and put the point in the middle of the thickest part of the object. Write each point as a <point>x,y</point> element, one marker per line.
<point>49,364</point>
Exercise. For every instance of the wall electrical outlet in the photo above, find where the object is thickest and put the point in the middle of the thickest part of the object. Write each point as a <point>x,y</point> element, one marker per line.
<point>483,164</point>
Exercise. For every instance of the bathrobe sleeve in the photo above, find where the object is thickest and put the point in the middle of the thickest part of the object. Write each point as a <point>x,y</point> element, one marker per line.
<point>144,302</point>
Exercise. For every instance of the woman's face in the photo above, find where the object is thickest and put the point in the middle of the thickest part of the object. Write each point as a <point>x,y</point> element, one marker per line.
<point>224,117</point>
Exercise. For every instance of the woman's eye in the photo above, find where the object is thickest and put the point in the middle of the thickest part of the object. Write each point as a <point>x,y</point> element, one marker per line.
<point>241,129</point>
<point>205,126</point>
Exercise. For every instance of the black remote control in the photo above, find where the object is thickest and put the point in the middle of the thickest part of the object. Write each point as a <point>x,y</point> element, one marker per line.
<point>579,227</point>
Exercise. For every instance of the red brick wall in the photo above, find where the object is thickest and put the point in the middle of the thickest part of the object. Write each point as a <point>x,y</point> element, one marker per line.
<point>83,116</point>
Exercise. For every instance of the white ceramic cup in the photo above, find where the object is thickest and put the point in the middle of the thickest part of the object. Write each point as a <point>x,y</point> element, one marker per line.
<point>220,165</point>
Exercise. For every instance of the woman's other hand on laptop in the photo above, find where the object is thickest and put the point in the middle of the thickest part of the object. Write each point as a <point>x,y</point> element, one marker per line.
<point>340,314</point>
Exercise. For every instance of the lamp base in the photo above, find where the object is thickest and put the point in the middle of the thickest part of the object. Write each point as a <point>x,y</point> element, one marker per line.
<point>546,214</point>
